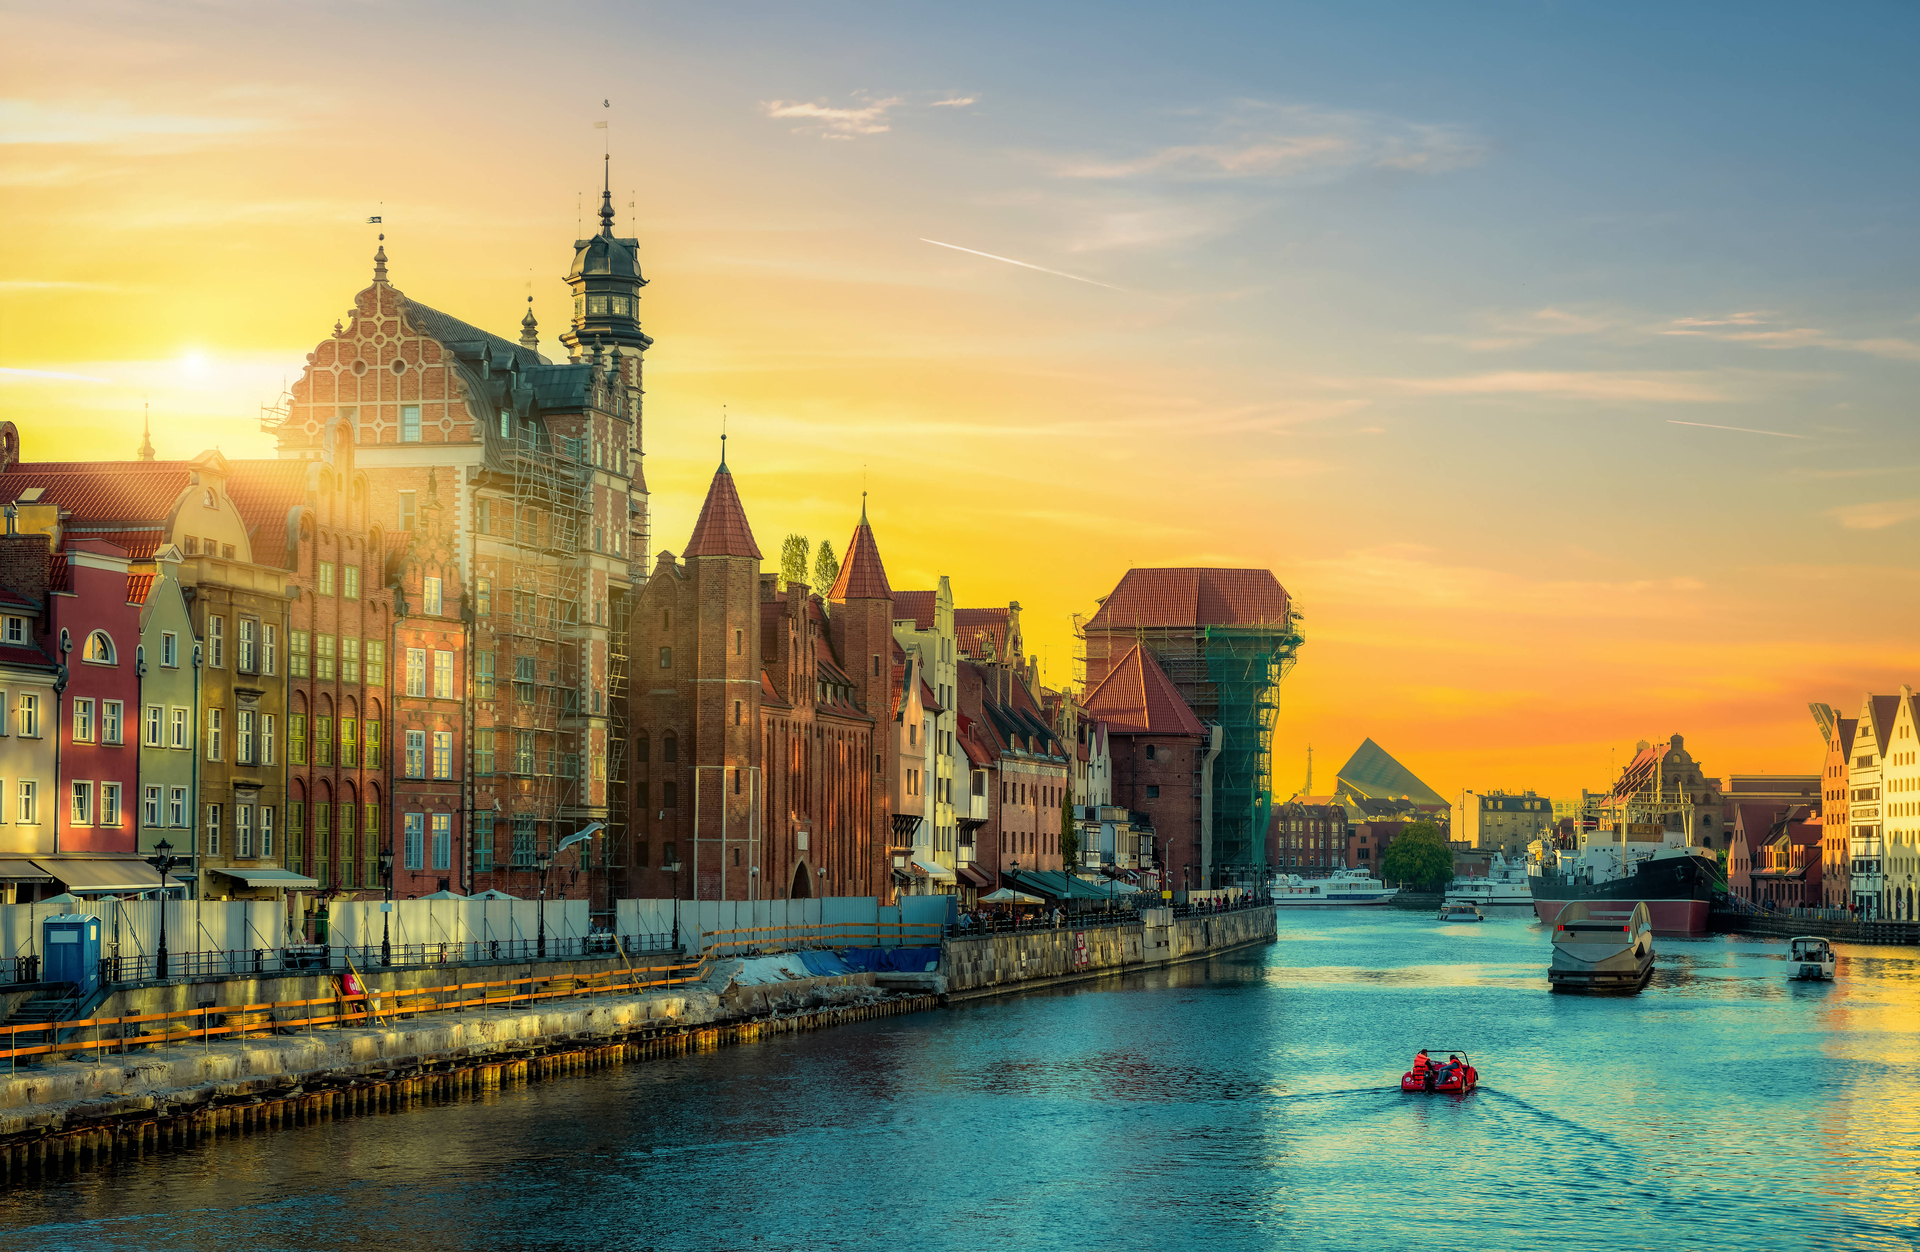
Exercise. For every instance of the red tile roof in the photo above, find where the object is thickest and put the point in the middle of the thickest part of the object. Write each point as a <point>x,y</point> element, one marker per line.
<point>119,491</point>
<point>862,576</point>
<point>139,586</point>
<point>263,492</point>
<point>975,629</point>
<point>927,701</point>
<point>915,605</point>
<point>1194,596</point>
<point>722,529</point>
<point>1137,697</point>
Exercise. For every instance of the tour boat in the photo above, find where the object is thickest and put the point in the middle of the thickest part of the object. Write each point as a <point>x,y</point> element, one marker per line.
<point>1504,883</point>
<point>1343,886</point>
<point>1594,952</point>
<point>1812,959</point>
<point>1463,1080</point>
<point>1676,883</point>
<point>1451,912</point>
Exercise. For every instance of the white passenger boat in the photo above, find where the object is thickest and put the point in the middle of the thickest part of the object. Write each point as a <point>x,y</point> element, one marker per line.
<point>1812,959</point>
<point>1451,912</point>
<point>1505,883</point>
<point>1343,886</point>
<point>1595,954</point>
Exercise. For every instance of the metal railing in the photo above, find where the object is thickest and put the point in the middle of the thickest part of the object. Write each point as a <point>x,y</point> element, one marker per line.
<point>374,1007</point>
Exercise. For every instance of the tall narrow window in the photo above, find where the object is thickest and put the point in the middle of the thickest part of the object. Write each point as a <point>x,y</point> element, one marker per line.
<point>416,671</point>
<point>349,743</point>
<point>430,596</point>
<point>481,840</point>
<point>298,643</point>
<point>350,581</point>
<point>266,832</point>
<point>443,754</point>
<point>349,658</point>
<point>442,675</point>
<point>326,578</point>
<point>177,807</point>
<point>216,734</point>
<point>217,642</point>
<point>270,651</point>
<point>296,834</point>
<point>483,596</point>
<point>83,721</point>
<point>109,804</point>
<point>243,830</point>
<point>249,645</point>
<point>409,423</point>
<point>483,676</point>
<point>267,747</point>
<point>29,722</point>
<point>323,657</point>
<point>83,804</point>
<point>409,508</point>
<point>177,735</point>
<point>150,807</point>
<point>296,738</point>
<point>210,844</point>
<point>376,663</point>
<point>29,802</point>
<point>483,750</point>
<point>443,840</point>
<point>170,650</point>
<point>370,745</point>
<point>415,827</point>
<point>247,725</point>
<point>323,741</point>
<point>483,522</point>
<point>523,752</point>
<point>416,754</point>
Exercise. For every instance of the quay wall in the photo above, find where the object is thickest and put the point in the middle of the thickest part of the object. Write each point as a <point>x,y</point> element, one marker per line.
<point>1729,920</point>
<point>1003,963</point>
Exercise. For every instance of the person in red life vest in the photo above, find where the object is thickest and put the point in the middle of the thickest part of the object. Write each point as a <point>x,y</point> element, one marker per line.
<point>1421,1063</point>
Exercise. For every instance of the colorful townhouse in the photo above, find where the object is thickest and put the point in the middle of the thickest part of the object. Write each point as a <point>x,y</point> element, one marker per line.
<point>168,711</point>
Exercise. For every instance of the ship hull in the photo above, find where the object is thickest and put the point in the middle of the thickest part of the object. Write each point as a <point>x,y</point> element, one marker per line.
<point>1678,893</point>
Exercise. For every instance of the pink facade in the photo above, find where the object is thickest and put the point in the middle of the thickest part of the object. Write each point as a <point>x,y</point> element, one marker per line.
<point>95,620</point>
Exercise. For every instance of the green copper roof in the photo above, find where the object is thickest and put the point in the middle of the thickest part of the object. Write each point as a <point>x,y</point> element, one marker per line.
<point>1371,774</point>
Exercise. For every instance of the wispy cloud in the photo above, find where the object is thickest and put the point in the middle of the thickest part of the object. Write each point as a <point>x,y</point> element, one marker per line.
<point>866,115</point>
<point>1669,388</point>
<point>113,122</point>
<point>9,375</point>
<point>1762,329</point>
<point>1022,264</point>
<point>1255,140</point>
<point>1877,515</point>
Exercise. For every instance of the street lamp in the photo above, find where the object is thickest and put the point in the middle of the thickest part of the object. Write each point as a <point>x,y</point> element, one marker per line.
<point>674,869</point>
<point>386,912</point>
<point>542,861</point>
<point>162,860</point>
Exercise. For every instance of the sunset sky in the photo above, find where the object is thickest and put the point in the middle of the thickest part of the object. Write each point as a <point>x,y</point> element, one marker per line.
<point>1561,360</point>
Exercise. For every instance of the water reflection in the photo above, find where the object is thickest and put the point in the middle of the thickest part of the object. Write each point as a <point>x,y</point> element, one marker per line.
<point>1247,1102</point>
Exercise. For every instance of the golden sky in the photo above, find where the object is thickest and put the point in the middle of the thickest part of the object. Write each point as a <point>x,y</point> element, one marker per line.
<point>1566,424</point>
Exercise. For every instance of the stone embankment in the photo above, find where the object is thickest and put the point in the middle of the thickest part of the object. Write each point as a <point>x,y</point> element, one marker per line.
<point>1725,920</point>
<point>1024,960</point>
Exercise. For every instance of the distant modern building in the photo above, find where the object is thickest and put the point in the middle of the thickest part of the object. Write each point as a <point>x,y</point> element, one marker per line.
<point>1374,786</point>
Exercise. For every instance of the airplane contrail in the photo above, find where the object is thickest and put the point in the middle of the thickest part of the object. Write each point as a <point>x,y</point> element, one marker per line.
<point>1022,264</point>
<point>1745,430</point>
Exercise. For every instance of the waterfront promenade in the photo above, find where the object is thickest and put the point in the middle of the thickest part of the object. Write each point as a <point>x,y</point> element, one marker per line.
<point>1245,1102</point>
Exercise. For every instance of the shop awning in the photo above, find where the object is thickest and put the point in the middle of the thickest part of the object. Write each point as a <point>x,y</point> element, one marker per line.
<point>100,875</point>
<point>282,878</point>
<point>973,877</point>
<point>934,869</point>
<point>22,871</point>
<point>1055,885</point>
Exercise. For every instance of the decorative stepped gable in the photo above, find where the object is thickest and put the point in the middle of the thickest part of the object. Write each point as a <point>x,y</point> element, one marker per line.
<point>1137,697</point>
<point>722,529</point>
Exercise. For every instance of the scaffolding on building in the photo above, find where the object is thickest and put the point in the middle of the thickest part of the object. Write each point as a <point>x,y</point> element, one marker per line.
<point>1230,677</point>
<point>544,662</point>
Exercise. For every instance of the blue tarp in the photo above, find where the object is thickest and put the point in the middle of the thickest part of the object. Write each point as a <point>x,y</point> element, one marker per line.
<point>822,964</point>
<point>893,960</point>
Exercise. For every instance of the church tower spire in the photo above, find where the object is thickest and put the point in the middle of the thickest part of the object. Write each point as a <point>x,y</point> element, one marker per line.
<point>146,432</point>
<point>606,282</point>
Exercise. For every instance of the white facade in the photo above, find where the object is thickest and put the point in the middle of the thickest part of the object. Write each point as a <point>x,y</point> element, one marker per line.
<point>1866,853</point>
<point>1900,843</point>
<point>936,652</point>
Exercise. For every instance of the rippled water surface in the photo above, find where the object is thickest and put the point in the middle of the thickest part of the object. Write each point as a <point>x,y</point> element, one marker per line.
<point>1250,1102</point>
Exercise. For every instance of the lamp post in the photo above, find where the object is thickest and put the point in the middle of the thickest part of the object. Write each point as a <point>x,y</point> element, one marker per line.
<point>674,869</point>
<point>386,910</point>
<point>162,860</point>
<point>542,861</point>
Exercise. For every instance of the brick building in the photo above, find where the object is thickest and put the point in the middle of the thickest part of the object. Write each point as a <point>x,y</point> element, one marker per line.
<point>760,762</point>
<point>1162,760</point>
<point>534,466</point>
<point>1310,836</point>
<point>1019,762</point>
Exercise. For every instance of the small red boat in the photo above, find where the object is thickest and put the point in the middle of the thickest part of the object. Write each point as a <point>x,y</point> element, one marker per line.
<point>1439,1078</point>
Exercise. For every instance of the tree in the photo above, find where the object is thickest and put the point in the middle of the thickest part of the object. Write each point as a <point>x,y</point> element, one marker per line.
<point>793,559</point>
<point>826,568</point>
<point>1069,834</point>
<point>1419,854</point>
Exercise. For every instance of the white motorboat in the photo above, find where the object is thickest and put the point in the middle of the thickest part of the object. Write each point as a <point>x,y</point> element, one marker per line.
<point>1812,959</point>
<point>1451,912</point>
<point>1505,883</point>
<point>1343,886</point>
<point>1592,954</point>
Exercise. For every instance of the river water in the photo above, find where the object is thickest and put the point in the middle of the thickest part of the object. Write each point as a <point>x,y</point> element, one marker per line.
<point>1246,1102</point>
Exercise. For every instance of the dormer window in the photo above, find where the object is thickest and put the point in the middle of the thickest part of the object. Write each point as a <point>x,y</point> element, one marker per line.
<point>207,500</point>
<point>16,630</point>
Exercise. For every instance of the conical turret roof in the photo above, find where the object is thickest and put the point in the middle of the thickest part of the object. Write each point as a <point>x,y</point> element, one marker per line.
<point>722,529</point>
<point>862,575</point>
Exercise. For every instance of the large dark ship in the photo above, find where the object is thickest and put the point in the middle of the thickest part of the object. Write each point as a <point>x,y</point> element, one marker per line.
<point>1675,883</point>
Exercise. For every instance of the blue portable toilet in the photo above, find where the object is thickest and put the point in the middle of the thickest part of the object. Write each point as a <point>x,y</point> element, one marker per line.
<point>72,947</point>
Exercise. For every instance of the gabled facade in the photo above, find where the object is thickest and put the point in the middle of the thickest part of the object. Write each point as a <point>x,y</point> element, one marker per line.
<point>1900,780</point>
<point>1835,806</point>
<point>95,624</point>
<point>169,709</point>
<point>428,689</point>
<point>1866,803</point>
<point>1023,766</point>
<point>1162,760</point>
<point>923,625</point>
<point>1663,796</point>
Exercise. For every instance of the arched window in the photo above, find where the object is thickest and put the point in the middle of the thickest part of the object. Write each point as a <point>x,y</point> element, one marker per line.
<point>641,750</point>
<point>670,750</point>
<point>100,649</point>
